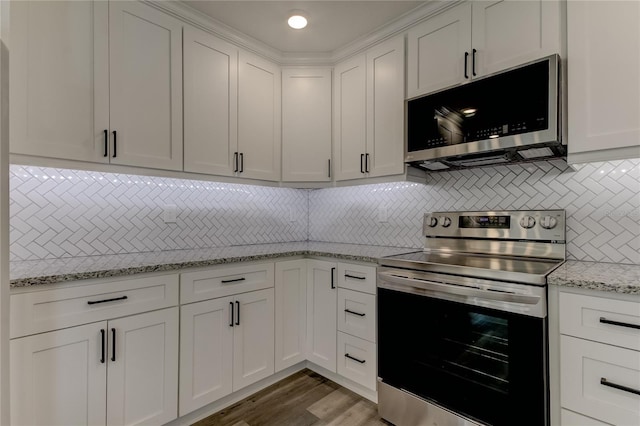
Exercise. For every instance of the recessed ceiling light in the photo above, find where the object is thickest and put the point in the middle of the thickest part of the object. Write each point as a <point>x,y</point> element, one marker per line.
<point>297,22</point>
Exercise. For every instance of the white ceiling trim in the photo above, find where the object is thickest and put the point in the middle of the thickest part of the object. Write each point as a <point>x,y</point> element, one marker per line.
<point>206,23</point>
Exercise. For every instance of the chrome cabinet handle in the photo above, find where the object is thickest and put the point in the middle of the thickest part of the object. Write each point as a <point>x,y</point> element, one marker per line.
<point>95,302</point>
<point>605,382</point>
<point>361,361</point>
<point>619,324</point>
<point>354,313</point>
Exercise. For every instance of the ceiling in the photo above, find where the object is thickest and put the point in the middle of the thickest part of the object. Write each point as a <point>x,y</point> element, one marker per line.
<point>332,24</point>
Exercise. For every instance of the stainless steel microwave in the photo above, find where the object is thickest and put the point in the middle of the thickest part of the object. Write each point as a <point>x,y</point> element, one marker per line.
<point>510,116</point>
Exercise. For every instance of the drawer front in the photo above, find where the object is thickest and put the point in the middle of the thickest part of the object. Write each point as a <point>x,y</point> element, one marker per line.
<point>225,281</point>
<point>48,310</point>
<point>357,277</point>
<point>616,322</point>
<point>569,418</point>
<point>584,365</point>
<point>357,360</point>
<point>357,314</point>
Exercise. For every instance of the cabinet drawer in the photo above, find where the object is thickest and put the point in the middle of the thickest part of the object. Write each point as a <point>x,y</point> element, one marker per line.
<point>569,418</point>
<point>584,366</point>
<point>590,318</point>
<point>357,360</point>
<point>357,314</point>
<point>224,281</point>
<point>53,309</point>
<point>357,277</point>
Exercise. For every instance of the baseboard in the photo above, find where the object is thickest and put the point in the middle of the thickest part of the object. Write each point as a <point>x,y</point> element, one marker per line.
<point>352,386</point>
<point>231,399</point>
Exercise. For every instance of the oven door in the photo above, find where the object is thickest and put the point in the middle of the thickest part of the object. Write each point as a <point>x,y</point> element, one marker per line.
<point>481,362</point>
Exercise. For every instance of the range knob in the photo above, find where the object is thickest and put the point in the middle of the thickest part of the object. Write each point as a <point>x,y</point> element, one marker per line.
<point>527,222</point>
<point>433,222</point>
<point>548,222</point>
<point>445,221</point>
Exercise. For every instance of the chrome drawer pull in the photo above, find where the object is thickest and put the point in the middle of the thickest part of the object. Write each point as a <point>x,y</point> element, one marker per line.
<point>604,382</point>
<point>232,281</point>
<point>620,324</point>
<point>354,313</point>
<point>94,302</point>
<point>361,361</point>
<point>354,277</point>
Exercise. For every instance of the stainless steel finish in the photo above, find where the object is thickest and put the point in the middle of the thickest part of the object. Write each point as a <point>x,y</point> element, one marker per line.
<point>509,297</point>
<point>549,137</point>
<point>405,409</point>
<point>516,232</point>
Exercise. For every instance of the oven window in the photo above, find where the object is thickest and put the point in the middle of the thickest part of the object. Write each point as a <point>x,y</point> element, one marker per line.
<point>486,364</point>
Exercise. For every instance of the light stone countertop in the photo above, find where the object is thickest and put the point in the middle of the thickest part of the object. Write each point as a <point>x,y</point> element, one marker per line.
<point>50,271</point>
<point>611,277</point>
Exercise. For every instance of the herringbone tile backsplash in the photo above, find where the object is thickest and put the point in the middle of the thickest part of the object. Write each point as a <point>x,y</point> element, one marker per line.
<point>602,201</point>
<point>66,213</point>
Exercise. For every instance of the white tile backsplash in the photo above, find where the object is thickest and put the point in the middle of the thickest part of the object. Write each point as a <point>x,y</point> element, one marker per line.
<point>67,213</point>
<point>602,201</point>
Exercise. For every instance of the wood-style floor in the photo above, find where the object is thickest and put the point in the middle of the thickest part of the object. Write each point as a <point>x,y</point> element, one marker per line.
<point>303,399</point>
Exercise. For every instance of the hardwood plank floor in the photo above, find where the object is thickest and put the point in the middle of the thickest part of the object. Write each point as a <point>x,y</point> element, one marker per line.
<point>302,399</point>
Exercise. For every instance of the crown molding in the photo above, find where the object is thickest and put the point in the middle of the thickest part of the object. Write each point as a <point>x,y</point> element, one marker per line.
<point>393,28</point>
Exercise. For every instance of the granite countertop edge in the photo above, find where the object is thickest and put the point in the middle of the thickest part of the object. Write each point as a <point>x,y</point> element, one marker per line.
<point>175,266</point>
<point>604,277</point>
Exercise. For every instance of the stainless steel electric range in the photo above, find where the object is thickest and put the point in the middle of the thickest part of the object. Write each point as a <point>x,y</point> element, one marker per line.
<point>462,325</point>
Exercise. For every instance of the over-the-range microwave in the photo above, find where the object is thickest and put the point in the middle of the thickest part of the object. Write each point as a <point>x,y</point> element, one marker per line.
<point>510,116</point>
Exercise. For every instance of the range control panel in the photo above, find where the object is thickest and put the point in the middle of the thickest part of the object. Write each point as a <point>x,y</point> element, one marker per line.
<point>530,225</point>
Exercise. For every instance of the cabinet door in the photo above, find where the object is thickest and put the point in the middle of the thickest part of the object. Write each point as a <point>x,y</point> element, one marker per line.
<point>59,79</point>
<point>259,118</point>
<point>306,125</point>
<point>291,313</point>
<point>436,52</point>
<point>509,33</point>
<point>146,86</point>
<point>58,378</point>
<point>206,348</point>
<point>210,103</point>
<point>322,305</point>
<point>385,108</point>
<point>142,381</point>
<point>253,338</point>
<point>603,85</point>
<point>350,118</point>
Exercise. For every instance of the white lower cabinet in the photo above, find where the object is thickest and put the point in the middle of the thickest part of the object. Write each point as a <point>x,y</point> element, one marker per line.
<point>599,359</point>
<point>357,360</point>
<point>291,313</point>
<point>322,303</point>
<point>226,344</point>
<point>122,372</point>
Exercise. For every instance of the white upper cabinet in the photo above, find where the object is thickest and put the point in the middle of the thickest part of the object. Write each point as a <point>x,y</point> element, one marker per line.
<point>369,113</point>
<point>479,38</point>
<point>210,103</point>
<point>146,86</point>
<point>385,108</point>
<point>350,118</point>
<point>306,125</point>
<point>259,118</point>
<point>59,79</point>
<point>603,48</point>
<point>437,50</point>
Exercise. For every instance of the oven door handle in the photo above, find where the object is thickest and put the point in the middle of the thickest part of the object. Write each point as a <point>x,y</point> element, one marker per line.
<point>417,286</point>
